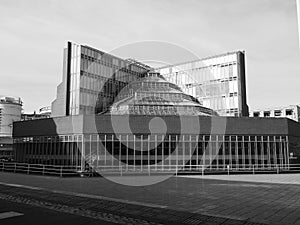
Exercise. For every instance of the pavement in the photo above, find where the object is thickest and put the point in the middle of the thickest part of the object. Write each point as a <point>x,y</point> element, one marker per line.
<point>29,214</point>
<point>255,178</point>
<point>178,200</point>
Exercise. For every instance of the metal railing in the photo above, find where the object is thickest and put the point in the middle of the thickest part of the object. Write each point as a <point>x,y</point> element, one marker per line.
<point>197,169</point>
<point>63,171</point>
<point>40,169</point>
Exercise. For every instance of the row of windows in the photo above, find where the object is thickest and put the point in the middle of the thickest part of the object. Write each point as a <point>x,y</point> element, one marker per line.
<point>162,96</point>
<point>152,137</point>
<point>97,66</point>
<point>110,150</point>
<point>201,75</point>
<point>150,84</point>
<point>110,60</point>
<point>220,104</point>
<point>157,110</point>
<point>216,89</point>
<point>200,65</point>
<point>145,148</point>
<point>101,85</point>
<point>288,112</point>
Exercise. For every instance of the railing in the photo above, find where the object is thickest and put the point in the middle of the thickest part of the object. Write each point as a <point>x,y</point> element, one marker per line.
<point>40,169</point>
<point>197,169</point>
<point>121,170</point>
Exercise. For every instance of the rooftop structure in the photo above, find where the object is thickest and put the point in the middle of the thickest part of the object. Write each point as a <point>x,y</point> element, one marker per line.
<point>292,112</point>
<point>153,95</point>
<point>45,110</point>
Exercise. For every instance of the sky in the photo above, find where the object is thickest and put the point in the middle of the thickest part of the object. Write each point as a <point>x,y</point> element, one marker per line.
<point>34,33</point>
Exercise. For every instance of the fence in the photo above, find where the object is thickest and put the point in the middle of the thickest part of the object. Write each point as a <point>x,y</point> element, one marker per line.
<point>196,169</point>
<point>64,171</point>
<point>39,169</point>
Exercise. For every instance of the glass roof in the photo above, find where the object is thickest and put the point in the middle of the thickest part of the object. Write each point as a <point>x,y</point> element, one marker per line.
<point>153,95</point>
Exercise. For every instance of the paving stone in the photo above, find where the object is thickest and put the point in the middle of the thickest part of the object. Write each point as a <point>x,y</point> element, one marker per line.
<point>258,202</point>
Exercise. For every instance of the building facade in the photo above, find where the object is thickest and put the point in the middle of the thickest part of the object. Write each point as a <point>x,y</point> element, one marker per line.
<point>10,111</point>
<point>91,80</point>
<point>248,143</point>
<point>292,112</point>
<point>218,82</point>
<point>100,91</point>
<point>187,136</point>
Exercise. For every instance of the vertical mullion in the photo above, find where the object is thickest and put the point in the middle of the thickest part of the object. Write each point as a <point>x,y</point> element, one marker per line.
<point>134,152</point>
<point>256,151</point>
<point>127,152</point>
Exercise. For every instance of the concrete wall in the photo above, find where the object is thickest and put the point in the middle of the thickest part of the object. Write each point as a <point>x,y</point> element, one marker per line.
<point>58,106</point>
<point>140,124</point>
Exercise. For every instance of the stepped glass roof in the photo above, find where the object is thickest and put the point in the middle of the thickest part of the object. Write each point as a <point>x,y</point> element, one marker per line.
<point>153,95</point>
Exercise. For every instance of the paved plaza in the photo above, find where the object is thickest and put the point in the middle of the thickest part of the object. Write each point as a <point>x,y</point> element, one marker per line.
<point>257,178</point>
<point>178,200</point>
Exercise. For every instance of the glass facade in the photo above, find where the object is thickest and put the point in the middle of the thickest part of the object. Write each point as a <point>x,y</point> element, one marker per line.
<point>97,78</point>
<point>217,82</point>
<point>156,151</point>
<point>92,79</point>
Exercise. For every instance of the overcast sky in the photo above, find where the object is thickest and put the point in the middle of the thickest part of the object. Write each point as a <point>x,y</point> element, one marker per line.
<point>34,33</point>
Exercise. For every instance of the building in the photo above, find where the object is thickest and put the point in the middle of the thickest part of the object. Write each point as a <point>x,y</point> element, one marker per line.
<point>105,142</point>
<point>10,111</point>
<point>46,111</point>
<point>43,113</point>
<point>292,112</point>
<point>33,116</point>
<point>91,80</point>
<point>218,82</point>
<point>115,114</point>
<point>248,143</point>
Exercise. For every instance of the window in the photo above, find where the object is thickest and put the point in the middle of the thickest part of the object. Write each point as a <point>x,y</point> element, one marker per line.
<point>232,94</point>
<point>277,112</point>
<point>256,114</point>
<point>266,113</point>
<point>289,112</point>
